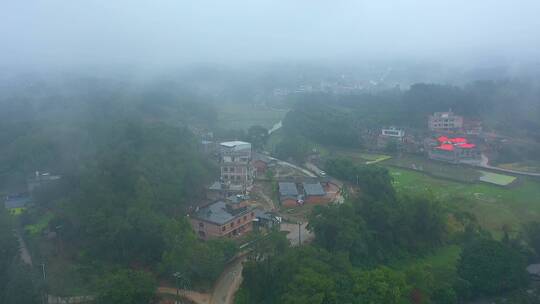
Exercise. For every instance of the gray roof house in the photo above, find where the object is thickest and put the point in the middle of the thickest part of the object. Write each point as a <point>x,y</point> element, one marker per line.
<point>288,189</point>
<point>313,189</point>
<point>19,200</point>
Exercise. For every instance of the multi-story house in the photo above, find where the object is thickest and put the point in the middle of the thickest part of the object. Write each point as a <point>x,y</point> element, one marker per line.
<point>445,121</point>
<point>235,163</point>
<point>231,217</point>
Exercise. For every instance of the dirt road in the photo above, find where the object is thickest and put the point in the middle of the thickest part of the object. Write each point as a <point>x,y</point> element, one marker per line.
<point>228,283</point>
<point>196,297</point>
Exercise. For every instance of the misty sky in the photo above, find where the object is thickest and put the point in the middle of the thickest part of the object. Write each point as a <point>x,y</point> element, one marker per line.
<point>172,32</point>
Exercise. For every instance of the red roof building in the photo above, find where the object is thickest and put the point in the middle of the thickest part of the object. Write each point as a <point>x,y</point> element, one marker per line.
<point>454,150</point>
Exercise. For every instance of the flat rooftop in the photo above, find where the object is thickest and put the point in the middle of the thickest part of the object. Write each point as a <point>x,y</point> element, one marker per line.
<point>232,144</point>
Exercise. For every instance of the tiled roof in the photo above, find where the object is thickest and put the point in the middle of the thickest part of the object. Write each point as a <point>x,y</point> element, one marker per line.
<point>218,213</point>
<point>288,189</point>
<point>313,189</point>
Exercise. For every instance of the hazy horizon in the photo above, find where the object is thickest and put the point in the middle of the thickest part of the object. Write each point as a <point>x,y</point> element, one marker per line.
<point>138,33</point>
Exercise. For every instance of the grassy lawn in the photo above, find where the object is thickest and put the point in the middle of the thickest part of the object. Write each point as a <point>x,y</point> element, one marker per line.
<point>243,116</point>
<point>497,179</point>
<point>436,168</point>
<point>358,156</point>
<point>494,206</point>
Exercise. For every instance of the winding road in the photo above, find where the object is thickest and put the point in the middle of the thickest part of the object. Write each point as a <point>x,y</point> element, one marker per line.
<point>485,164</point>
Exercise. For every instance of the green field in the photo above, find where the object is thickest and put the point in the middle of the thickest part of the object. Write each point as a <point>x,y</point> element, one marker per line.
<point>244,115</point>
<point>436,168</point>
<point>494,206</point>
<point>360,157</point>
<point>497,179</point>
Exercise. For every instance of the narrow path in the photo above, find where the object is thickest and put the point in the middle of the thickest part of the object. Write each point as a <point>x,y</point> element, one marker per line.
<point>25,255</point>
<point>275,127</point>
<point>194,296</point>
<point>228,283</point>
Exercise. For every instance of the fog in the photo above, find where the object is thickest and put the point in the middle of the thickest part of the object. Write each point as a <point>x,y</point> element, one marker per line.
<point>176,32</point>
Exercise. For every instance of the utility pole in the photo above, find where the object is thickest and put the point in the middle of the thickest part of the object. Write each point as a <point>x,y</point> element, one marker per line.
<point>177,275</point>
<point>180,279</point>
<point>299,233</point>
<point>44,298</point>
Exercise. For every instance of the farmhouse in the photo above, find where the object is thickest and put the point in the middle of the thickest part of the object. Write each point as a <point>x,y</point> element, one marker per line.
<point>230,218</point>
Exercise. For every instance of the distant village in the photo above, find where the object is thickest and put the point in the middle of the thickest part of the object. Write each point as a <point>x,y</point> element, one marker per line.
<point>450,138</point>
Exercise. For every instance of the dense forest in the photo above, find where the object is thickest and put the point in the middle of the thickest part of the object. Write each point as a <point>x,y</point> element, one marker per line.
<point>130,169</point>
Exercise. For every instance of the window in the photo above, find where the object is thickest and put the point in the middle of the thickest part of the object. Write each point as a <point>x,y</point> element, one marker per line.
<point>232,224</point>
<point>245,217</point>
<point>223,228</point>
<point>201,224</point>
<point>238,221</point>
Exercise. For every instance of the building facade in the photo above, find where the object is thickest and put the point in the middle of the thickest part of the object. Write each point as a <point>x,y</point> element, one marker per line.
<point>235,163</point>
<point>445,121</point>
<point>393,132</point>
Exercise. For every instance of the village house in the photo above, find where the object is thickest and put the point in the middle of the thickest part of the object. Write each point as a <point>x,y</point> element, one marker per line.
<point>394,132</point>
<point>235,163</point>
<point>388,135</point>
<point>307,191</point>
<point>232,217</point>
<point>221,190</point>
<point>236,171</point>
<point>445,122</point>
<point>453,150</point>
<point>288,194</point>
<point>314,193</point>
<point>261,163</point>
<point>17,203</point>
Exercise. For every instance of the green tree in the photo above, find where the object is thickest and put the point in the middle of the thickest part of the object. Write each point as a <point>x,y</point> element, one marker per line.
<point>381,285</point>
<point>491,267</point>
<point>531,233</point>
<point>126,287</point>
<point>257,136</point>
<point>21,286</point>
<point>9,248</point>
